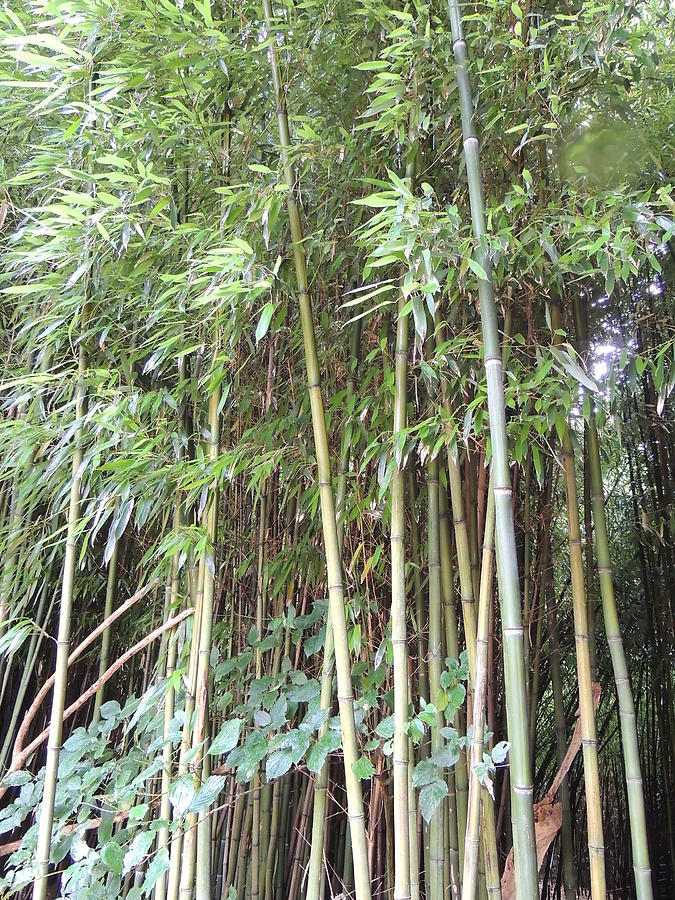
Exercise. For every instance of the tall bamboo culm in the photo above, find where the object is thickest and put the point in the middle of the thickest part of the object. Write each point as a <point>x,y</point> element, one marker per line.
<point>522,808</point>
<point>329,523</point>
<point>631,753</point>
<point>436,855</point>
<point>589,739</point>
<point>399,639</point>
<point>62,643</point>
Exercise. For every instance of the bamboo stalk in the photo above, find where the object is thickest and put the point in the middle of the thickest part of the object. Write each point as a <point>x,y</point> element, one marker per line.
<point>458,787</point>
<point>627,718</point>
<point>631,753</point>
<point>507,562</point>
<point>596,846</point>
<point>436,855</point>
<point>399,623</point>
<point>316,857</point>
<point>46,817</point>
<point>329,522</point>
<point>479,802</point>
<point>110,590</point>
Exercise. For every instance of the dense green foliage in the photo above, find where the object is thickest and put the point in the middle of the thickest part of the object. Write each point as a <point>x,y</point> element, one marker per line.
<point>149,306</point>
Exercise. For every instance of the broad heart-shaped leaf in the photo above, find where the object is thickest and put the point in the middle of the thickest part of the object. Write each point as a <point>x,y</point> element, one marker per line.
<point>112,857</point>
<point>316,757</point>
<point>139,847</point>
<point>181,792</point>
<point>456,695</point>
<point>156,867</point>
<point>207,793</point>
<point>363,768</point>
<point>16,779</point>
<point>385,728</point>
<point>278,763</point>
<point>431,796</point>
<point>447,756</point>
<point>499,752</point>
<point>424,772</point>
<point>226,738</point>
<point>247,756</point>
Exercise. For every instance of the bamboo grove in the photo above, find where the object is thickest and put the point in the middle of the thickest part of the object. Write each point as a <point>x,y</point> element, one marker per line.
<point>336,463</point>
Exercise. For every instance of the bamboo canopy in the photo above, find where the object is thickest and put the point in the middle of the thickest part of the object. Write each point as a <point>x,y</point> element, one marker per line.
<point>336,455</point>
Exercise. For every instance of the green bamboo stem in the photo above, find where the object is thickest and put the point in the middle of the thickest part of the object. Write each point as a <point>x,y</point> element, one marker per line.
<point>316,860</point>
<point>539,634</point>
<point>16,540</point>
<point>196,591</point>
<point>527,577</point>
<point>256,854</point>
<point>190,854</point>
<point>111,587</point>
<point>233,849</point>
<point>330,531</point>
<point>631,754</point>
<point>458,787</point>
<point>46,817</point>
<point>241,866</point>
<point>436,855</point>
<point>588,554</point>
<point>477,801</point>
<point>31,657</point>
<point>420,616</point>
<point>169,709</point>
<point>627,719</point>
<point>413,836</point>
<point>165,805</point>
<point>271,858</point>
<point>399,622</point>
<point>525,856</point>
<point>203,879</point>
<point>569,875</point>
<point>589,740</point>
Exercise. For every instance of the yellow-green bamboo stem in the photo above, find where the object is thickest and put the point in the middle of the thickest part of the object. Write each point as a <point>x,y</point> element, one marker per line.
<point>329,522</point>
<point>522,807</point>
<point>399,622</point>
<point>631,754</point>
<point>200,732</point>
<point>569,876</point>
<point>627,719</point>
<point>476,800</point>
<point>196,588</point>
<point>46,817</point>
<point>436,856</point>
<point>315,876</point>
<point>233,849</point>
<point>589,740</point>
<point>111,587</point>
<point>458,788</point>
<point>169,709</point>
<point>413,836</point>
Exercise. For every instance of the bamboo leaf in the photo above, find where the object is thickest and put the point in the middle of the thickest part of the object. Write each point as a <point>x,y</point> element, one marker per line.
<point>264,322</point>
